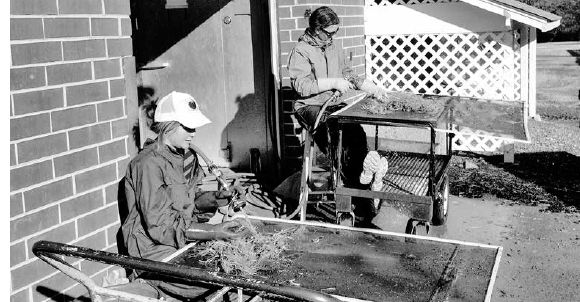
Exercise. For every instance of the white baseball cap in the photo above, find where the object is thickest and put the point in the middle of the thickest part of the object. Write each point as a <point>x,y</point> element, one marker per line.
<point>180,107</point>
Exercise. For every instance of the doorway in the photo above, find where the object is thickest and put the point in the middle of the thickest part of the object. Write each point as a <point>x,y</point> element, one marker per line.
<point>217,51</point>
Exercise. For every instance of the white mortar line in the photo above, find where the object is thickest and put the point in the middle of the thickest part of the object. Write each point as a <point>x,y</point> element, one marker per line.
<point>75,220</point>
<point>42,88</point>
<point>67,16</point>
<point>67,175</point>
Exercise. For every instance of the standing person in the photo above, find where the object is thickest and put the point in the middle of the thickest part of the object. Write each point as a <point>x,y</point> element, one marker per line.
<point>317,69</point>
<point>166,206</point>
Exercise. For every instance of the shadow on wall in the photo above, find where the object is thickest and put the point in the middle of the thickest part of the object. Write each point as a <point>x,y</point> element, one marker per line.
<point>57,296</point>
<point>151,20</point>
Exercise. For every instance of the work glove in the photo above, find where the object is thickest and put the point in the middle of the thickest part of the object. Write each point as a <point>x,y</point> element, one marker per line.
<point>338,84</point>
<point>230,229</point>
<point>372,89</point>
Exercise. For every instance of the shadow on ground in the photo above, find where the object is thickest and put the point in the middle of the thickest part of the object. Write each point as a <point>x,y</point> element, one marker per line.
<point>534,178</point>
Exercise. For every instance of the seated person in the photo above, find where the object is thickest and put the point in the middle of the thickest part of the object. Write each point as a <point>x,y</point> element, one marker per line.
<point>166,206</point>
<point>317,70</point>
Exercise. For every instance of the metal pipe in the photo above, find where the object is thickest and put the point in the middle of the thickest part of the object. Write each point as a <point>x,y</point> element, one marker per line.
<point>51,249</point>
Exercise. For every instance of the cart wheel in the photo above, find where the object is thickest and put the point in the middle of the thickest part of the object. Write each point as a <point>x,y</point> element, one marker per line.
<point>345,219</point>
<point>441,204</point>
<point>415,227</point>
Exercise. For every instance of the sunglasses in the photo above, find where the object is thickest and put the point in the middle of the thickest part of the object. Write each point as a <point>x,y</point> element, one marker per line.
<point>329,34</point>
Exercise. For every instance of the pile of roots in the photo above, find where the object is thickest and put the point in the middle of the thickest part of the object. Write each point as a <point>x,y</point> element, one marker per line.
<point>247,256</point>
<point>401,101</point>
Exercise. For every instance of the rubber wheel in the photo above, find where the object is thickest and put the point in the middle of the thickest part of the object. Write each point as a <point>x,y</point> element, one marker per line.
<point>441,204</point>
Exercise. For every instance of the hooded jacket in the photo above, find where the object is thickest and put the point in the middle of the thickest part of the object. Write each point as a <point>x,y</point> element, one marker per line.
<point>162,204</point>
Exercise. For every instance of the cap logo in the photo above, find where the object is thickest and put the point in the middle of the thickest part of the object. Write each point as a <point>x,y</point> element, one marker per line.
<point>193,105</point>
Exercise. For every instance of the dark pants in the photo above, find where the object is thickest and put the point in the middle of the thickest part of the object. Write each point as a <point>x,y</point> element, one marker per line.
<point>354,150</point>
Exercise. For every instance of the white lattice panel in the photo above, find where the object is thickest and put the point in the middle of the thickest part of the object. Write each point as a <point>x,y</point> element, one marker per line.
<point>467,139</point>
<point>481,65</point>
<point>474,65</point>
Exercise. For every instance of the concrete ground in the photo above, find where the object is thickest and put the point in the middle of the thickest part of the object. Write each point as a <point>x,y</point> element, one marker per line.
<point>541,251</point>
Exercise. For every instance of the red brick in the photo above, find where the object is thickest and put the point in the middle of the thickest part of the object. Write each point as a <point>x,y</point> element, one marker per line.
<point>29,175</point>
<point>28,77</point>
<point>21,296</point>
<point>286,24</point>
<point>355,31</point>
<point>16,205</point>
<point>39,52</point>
<point>119,47</point>
<point>117,88</point>
<point>33,223</point>
<point>97,220</point>
<point>66,27</point>
<point>117,7</point>
<point>94,178</point>
<point>34,101</point>
<point>353,10</point>
<point>126,27</point>
<point>86,93</point>
<point>350,21</point>
<point>73,162</point>
<point>286,2</point>
<point>69,73</point>
<point>84,49</point>
<point>284,12</point>
<point>51,287</point>
<point>30,273</point>
<point>298,11</point>
<point>353,2</point>
<point>120,128</point>
<point>110,110</point>
<point>28,126</point>
<point>13,155</point>
<point>284,36</point>
<point>73,117</point>
<point>104,27</point>
<point>41,147</point>
<point>81,205</point>
<point>80,7</point>
<point>112,151</point>
<point>97,241</point>
<point>89,135</point>
<point>107,68</point>
<point>46,194</point>
<point>63,234</point>
<point>17,253</point>
<point>33,7</point>
<point>112,193</point>
<point>26,28</point>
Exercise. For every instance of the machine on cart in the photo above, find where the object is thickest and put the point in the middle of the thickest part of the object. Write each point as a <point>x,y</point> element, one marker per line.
<point>327,263</point>
<point>416,184</point>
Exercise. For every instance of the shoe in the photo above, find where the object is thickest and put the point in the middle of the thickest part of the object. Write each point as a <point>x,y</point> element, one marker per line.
<point>370,166</point>
<point>383,167</point>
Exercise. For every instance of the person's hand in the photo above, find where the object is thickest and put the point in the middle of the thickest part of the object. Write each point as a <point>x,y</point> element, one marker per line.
<point>342,85</point>
<point>231,229</point>
<point>228,194</point>
<point>381,93</point>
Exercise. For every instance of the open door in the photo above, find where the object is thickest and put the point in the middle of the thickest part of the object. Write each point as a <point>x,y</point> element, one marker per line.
<point>209,50</point>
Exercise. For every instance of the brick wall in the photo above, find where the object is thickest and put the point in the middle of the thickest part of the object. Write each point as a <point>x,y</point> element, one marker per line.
<point>291,25</point>
<point>67,154</point>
